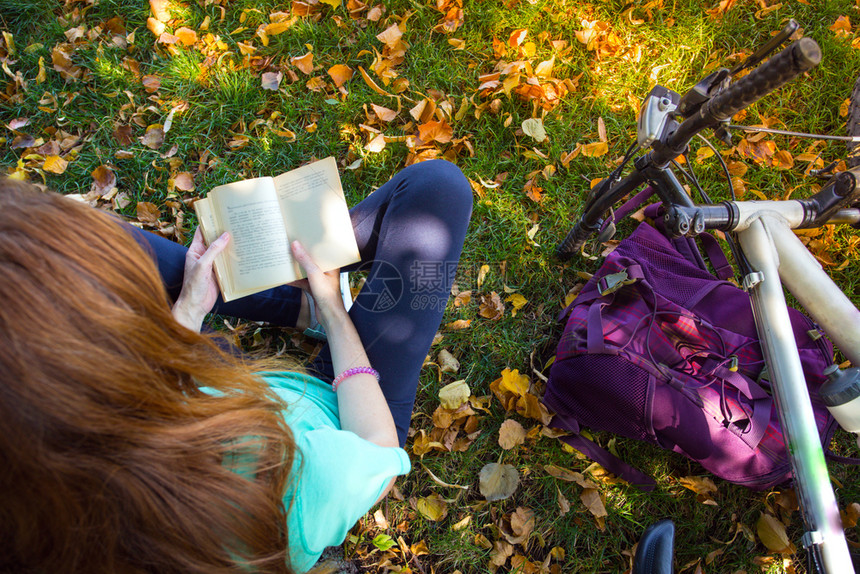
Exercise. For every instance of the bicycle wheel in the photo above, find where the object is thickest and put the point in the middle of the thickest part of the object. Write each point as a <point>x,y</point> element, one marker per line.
<point>853,158</point>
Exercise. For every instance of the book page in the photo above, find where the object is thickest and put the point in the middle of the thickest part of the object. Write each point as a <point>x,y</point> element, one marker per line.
<point>258,253</point>
<point>210,228</point>
<point>316,214</point>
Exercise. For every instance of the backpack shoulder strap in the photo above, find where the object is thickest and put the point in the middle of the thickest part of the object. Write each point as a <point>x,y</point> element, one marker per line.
<point>600,455</point>
<point>610,462</point>
<point>717,256</point>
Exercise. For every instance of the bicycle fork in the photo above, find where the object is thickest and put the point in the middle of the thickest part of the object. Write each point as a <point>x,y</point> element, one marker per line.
<point>775,252</point>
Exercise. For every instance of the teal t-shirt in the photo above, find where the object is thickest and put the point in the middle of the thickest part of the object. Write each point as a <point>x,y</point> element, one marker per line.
<point>341,474</point>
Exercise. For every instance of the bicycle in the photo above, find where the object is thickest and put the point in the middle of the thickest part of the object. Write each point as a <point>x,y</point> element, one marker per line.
<point>769,255</point>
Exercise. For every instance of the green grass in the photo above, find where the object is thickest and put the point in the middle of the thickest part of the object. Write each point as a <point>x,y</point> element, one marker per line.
<point>671,47</point>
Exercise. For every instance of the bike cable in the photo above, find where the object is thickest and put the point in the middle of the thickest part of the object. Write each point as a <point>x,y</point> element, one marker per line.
<point>731,238</point>
<point>851,139</point>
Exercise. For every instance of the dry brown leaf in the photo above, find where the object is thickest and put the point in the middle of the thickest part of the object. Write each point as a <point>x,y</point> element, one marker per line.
<point>18,123</point>
<point>511,434</point>
<point>148,212</point>
<point>246,49</point>
<point>569,476</point>
<point>123,135</point>
<point>498,481</point>
<point>104,180</point>
<point>151,83</point>
<point>459,324</point>
<point>369,81</point>
<point>154,136</point>
<point>316,84</point>
<point>423,443</point>
<point>518,525</point>
<point>851,515</point>
<point>699,484</point>
<point>61,56</point>
<point>530,407</point>
<point>454,395</point>
<point>390,36</point>
<point>482,541</point>
<point>563,503</point>
<point>276,28</point>
<point>463,298</point>
<point>376,144</point>
<point>184,181</point>
<point>590,497</point>
<point>703,153</point>
<point>501,552</point>
<point>23,141</point>
<point>739,168</point>
<point>238,142</point>
<point>155,26</point>
<point>782,159</point>
<point>545,68</point>
<point>491,306</point>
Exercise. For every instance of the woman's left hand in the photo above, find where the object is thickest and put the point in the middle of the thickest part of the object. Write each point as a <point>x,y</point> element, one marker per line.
<point>199,288</point>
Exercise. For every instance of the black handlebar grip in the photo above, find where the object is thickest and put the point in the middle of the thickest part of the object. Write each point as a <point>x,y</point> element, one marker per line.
<point>802,55</point>
<point>573,242</point>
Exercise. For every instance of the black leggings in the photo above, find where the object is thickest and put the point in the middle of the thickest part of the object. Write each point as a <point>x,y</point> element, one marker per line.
<point>410,233</point>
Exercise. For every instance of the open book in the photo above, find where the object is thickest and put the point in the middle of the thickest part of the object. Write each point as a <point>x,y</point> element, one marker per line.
<point>264,215</point>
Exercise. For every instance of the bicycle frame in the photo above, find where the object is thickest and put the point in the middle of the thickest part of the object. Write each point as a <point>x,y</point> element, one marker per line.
<point>777,256</point>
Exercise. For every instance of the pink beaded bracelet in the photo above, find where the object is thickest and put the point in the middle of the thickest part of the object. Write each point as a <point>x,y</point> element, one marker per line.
<point>350,372</point>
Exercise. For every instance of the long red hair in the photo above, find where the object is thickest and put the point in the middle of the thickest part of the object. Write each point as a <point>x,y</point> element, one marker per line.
<point>111,457</point>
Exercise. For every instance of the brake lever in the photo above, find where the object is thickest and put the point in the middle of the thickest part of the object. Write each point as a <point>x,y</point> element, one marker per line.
<point>772,44</point>
<point>703,91</point>
<point>719,80</point>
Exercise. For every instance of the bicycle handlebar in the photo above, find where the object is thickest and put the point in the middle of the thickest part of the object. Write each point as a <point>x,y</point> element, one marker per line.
<point>802,55</point>
<point>796,59</point>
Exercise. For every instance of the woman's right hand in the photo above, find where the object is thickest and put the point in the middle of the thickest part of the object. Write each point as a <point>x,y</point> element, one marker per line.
<point>324,286</point>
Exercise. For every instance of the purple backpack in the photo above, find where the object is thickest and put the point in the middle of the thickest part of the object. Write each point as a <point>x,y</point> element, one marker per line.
<point>658,349</point>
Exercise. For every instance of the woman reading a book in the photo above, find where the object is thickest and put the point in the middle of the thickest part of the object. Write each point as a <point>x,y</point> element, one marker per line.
<point>132,443</point>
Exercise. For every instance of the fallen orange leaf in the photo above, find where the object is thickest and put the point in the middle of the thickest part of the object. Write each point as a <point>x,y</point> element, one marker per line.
<point>517,37</point>
<point>340,74</point>
<point>187,36</point>
<point>304,63</point>
<point>438,131</point>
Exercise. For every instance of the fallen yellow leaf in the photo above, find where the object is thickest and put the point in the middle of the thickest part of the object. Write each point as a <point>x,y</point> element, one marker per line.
<point>55,164</point>
<point>595,149</point>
